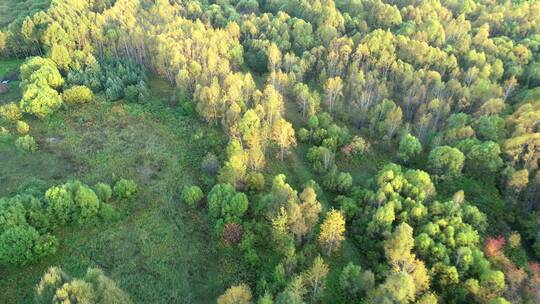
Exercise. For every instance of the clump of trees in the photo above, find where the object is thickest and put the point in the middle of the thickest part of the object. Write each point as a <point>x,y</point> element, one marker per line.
<point>27,220</point>
<point>226,205</point>
<point>56,286</point>
<point>118,78</point>
<point>440,241</point>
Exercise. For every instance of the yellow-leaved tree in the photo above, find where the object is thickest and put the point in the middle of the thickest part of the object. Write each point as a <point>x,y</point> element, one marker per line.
<point>332,231</point>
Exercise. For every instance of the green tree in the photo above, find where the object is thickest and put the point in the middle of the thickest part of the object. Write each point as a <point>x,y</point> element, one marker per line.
<point>60,55</point>
<point>484,158</point>
<point>315,277</point>
<point>446,161</point>
<point>354,282</point>
<point>397,288</point>
<point>409,148</point>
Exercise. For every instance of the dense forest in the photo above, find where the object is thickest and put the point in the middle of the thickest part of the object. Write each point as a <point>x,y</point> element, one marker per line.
<point>270,151</point>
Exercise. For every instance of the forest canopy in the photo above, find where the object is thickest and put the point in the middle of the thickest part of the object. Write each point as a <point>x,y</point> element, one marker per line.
<point>360,151</point>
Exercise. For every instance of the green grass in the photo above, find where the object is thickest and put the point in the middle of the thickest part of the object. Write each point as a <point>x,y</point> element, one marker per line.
<point>11,10</point>
<point>7,66</point>
<point>159,251</point>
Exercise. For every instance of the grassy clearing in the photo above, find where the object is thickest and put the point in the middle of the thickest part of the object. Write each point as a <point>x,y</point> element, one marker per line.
<point>158,251</point>
<point>8,65</point>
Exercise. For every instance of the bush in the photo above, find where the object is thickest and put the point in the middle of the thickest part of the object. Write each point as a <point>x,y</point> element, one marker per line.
<point>60,204</point>
<point>4,134</point>
<point>192,195</point>
<point>107,212</point>
<point>26,143</point>
<point>22,127</point>
<point>86,202</point>
<point>124,188</point>
<point>78,94</point>
<point>103,191</point>
<point>10,112</point>
<point>255,181</point>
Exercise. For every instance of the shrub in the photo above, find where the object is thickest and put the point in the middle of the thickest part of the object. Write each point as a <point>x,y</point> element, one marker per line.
<point>10,112</point>
<point>4,134</point>
<point>124,188</point>
<point>78,94</point>
<point>26,143</point>
<point>192,195</point>
<point>12,214</point>
<point>107,212</point>
<point>86,202</point>
<point>103,191</point>
<point>255,181</point>
<point>22,127</point>
<point>60,204</point>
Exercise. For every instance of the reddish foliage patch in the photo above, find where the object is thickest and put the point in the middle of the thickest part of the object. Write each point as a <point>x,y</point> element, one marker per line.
<point>347,149</point>
<point>494,246</point>
<point>535,269</point>
<point>231,234</point>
